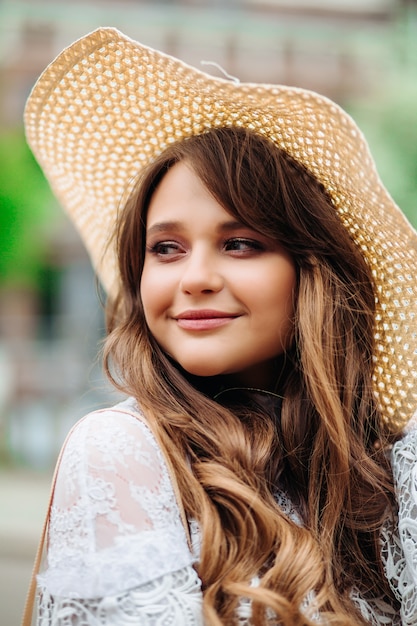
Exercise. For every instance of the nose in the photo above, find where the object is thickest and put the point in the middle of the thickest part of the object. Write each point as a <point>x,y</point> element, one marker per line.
<point>201,274</point>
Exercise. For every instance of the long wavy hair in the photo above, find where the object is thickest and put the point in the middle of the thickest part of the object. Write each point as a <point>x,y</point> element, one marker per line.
<point>322,444</point>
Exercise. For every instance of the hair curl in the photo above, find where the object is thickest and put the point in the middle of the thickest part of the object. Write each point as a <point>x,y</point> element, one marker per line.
<point>324,446</point>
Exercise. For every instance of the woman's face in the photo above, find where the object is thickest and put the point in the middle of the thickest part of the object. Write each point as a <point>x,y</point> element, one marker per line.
<point>217,295</point>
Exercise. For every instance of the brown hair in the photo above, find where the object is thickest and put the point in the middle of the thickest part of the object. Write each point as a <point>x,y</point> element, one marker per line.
<point>323,445</point>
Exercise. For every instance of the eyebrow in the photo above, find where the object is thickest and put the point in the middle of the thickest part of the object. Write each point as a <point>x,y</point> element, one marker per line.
<point>176,226</point>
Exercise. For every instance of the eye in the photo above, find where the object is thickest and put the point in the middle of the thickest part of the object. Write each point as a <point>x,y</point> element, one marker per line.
<point>166,249</point>
<point>242,245</point>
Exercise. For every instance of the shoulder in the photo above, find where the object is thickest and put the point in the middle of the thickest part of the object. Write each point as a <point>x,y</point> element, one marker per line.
<point>404,451</point>
<point>113,449</point>
<point>110,432</point>
<point>115,516</point>
<point>120,415</point>
<point>404,460</point>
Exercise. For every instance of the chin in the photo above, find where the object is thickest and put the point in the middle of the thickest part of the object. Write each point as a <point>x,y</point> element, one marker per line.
<point>201,372</point>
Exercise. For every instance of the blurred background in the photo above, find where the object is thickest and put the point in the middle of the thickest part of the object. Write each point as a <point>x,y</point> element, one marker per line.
<point>361,53</point>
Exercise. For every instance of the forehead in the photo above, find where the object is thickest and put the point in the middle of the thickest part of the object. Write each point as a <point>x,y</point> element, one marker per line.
<point>181,196</point>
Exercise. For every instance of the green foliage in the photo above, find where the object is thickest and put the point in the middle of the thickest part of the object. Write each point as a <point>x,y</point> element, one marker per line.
<point>390,126</point>
<point>24,202</point>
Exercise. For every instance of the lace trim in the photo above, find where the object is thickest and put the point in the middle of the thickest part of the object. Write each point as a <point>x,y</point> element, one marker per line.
<point>172,600</point>
<point>132,562</point>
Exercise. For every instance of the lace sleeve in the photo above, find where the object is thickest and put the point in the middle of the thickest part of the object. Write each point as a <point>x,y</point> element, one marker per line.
<point>115,524</point>
<point>166,601</point>
<point>399,548</point>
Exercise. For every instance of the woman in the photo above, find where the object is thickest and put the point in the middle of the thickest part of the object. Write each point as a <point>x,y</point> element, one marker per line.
<point>251,323</point>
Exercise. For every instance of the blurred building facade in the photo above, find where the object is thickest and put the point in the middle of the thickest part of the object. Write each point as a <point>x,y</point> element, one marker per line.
<point>48,340</point>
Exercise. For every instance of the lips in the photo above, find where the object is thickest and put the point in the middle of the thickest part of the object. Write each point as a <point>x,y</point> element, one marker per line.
<point>204,319</point>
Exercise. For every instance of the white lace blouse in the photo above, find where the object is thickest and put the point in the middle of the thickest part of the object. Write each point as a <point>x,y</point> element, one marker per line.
<point>118,552</point>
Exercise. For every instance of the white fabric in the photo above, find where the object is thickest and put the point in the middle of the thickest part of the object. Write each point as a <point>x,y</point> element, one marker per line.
<point>400,544</point>
<point>118,552</point>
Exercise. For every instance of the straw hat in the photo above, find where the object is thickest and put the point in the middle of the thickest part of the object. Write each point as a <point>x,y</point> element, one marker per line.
<point>107,105</point>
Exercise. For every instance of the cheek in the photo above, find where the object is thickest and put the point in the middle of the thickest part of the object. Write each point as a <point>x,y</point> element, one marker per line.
<point>147,294</point>
<point>154,295</point>
<point>281,299</point>
<point>277,287</point>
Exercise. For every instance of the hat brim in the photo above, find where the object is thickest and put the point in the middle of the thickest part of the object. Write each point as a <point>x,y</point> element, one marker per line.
<point>107,105</point>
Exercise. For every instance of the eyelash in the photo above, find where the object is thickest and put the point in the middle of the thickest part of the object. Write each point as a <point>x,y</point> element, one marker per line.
<point>156,247</point>
<point>250,245</point>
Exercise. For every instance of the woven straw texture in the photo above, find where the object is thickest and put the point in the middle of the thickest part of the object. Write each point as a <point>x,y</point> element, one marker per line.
<point>107,105</point>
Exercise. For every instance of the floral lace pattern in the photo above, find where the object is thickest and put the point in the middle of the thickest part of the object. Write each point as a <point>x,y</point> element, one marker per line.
<point>114,510</point>
<point>118,552</point>
<point>400,546</point>
<point>166,601</point>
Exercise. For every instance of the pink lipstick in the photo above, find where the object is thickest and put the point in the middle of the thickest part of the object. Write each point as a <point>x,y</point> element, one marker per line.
<point>204,319</point>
